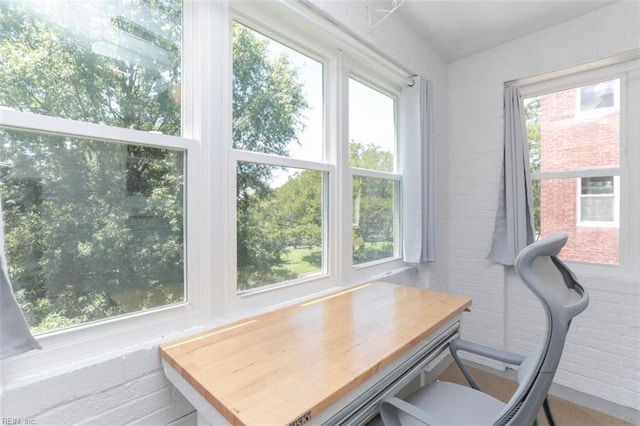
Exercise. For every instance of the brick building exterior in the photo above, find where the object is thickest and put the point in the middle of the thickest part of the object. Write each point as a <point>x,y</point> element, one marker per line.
<point>580,131</point>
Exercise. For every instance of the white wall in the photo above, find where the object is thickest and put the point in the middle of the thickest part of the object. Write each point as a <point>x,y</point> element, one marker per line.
<point>130,387</point>
<point>602,356</point>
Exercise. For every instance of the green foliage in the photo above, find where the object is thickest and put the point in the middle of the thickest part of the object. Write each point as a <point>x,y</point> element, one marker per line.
<point>373,205</point>
<point>95,229</point>
<point>268,102</point>
<point>268,106</point>
<point>370,157</point>
<point>532,119</point>
<point>92,229</point>
<point>298,205</point>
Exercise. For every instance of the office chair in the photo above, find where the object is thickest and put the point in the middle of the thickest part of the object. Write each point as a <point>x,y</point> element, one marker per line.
<point>443,403</point>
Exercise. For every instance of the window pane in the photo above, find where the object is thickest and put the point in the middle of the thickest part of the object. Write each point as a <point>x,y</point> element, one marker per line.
<point>598,96</point>
<point>373,219</point>
<point>279,226</point>
<point>556,208</point>
<point>597,209</point>
<point>597,199</point>
<point>92,229</point>
<point>597,185</point>
<point>111,62</point>
<point>277,98</point>
<point>371,128</point>
<point>561,139</point>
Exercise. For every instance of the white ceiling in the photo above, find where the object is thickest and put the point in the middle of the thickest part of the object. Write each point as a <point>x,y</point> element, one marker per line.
<point>460,28</point>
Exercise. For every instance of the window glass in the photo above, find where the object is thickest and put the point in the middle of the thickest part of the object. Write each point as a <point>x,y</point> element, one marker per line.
<point>564,143</point>
<point>373,219</point>
<point>92,229</point>
<point>277,110</point>
<point>371,128</point>
<point>568,141</point>
<point>558,210</point>
<point>279,224</point>
<point>597,199</point>
<point>598,96</point>
<point>277,98</point>
<point>114,62</point>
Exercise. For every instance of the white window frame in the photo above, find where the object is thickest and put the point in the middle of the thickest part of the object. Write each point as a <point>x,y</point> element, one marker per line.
<point>629,170</point>
<point>615,223</point>
<point>342,57</point>
<point>206,120</point>
<point>321,280</point>
<point>85,344</point>
<point>393,176</point>
<point>71,343</point>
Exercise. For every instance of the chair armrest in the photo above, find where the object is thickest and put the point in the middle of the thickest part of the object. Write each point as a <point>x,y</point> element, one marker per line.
<point>486,351</point>
<point>389,413</point>
<point>460,345</point>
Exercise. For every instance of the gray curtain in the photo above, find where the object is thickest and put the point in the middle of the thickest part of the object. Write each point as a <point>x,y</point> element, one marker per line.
<point>418,174</point>
<point>15,336</point>
<point>514,219</point>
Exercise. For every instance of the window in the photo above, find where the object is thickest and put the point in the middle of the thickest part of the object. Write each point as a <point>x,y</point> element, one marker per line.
<point>598,200</point>
<point>94,216</point>
<point>313,150</point>
<point>278,112</point>
<point>168,189</point>
<point>372,140</point>
<point>569,150</point>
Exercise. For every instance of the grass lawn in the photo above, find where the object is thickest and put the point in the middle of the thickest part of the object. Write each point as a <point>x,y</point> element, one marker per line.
<point>301,261</point>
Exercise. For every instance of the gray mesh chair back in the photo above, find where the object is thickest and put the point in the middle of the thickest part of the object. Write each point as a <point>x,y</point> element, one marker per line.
<point>562,298</point>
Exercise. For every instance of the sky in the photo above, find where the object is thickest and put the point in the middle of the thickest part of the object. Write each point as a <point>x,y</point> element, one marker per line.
<point>371,113</point>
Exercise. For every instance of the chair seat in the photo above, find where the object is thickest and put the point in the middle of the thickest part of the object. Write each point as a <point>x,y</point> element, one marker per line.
<point>453,403</point>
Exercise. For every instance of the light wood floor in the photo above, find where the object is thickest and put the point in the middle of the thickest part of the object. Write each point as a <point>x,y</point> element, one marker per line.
<point>564,413</point>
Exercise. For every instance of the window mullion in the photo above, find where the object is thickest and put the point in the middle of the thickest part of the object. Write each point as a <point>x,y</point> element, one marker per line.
<point>344,205</point>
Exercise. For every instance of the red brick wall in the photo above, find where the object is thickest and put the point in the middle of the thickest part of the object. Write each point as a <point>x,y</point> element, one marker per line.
<point>573,140</point>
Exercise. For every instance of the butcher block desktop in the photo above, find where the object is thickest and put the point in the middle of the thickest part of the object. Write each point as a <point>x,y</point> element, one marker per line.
<point>326,361</point>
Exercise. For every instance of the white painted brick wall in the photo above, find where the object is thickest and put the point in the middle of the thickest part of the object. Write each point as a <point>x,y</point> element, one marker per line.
<point>126,390</point>
<point>602,354</point>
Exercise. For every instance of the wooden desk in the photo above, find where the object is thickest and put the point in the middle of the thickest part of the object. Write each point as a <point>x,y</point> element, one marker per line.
<point>323,361</point>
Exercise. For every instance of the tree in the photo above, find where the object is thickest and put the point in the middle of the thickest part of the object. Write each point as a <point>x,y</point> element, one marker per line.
<point>373,204</point>
<point>93,229</point>
<point>268,103</point>
<point>532,119</point>
<point>298,208</point>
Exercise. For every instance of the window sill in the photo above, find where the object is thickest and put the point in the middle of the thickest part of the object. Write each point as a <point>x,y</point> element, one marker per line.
<point>84,346</point>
